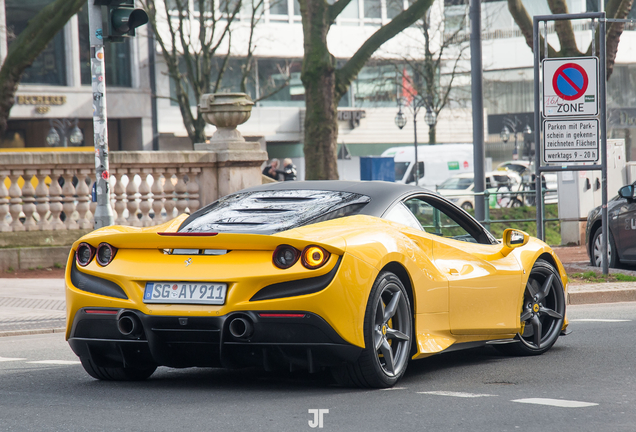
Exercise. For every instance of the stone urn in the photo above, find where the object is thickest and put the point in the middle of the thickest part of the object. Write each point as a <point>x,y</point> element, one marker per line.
<point>226,111</point>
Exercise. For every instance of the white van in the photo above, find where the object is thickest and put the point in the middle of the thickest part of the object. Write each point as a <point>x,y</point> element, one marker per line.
<point>436,163</point>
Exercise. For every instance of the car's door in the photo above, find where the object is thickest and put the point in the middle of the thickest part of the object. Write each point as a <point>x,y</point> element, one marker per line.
<point>484,286</point>
<point>622,221</point>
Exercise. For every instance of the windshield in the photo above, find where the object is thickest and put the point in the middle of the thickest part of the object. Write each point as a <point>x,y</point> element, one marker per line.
<point>513,167</point>
<point>400,170</point>
<point>457,183</point>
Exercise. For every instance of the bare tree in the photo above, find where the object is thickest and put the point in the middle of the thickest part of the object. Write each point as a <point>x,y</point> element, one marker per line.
<point>427,77</point>
<point>197,47</point>
<point>26,48</point>
<point>567,41</point>
<point>325,83</point>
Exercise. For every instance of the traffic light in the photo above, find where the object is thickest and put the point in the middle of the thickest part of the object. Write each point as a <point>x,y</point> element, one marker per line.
<point>123,18</point>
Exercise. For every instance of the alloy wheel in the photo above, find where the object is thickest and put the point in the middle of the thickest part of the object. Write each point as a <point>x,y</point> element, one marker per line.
<point>543,311</point>
<point>392,330</point>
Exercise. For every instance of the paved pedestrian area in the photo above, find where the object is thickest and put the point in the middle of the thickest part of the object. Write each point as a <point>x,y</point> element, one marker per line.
<point>31,305</point>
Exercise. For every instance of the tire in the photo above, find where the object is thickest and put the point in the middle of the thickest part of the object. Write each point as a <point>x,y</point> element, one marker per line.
<point>117,373</point>
<point>388,317</point>
<point>467,206</point>
<point>542,313</point>
<point>516,203</point>
<point>595,250</point>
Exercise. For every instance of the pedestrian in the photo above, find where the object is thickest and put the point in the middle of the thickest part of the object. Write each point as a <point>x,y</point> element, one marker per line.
<point>289,171</point>
<point>271,170</point>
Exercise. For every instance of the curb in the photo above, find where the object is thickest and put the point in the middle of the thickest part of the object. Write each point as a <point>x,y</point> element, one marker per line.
<point>606,296</point>
<point>31,332</point>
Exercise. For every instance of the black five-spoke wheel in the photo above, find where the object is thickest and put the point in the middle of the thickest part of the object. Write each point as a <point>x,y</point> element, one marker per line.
<point>542,313</point>
<point>388,329</point>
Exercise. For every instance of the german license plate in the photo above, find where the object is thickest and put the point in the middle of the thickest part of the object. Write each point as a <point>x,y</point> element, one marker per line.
<point>185,292</point>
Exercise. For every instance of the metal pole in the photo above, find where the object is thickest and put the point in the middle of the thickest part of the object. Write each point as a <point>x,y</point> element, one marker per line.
<point>476,75</point>
<point>417,162</point>
<point>152,49</point>
<point>104,211</point>
<point>537,128</point>
<point>603,125</point>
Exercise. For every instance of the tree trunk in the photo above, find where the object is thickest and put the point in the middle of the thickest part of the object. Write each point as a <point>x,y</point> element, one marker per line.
<point>319,77</point>
<point>27,46</point>
<point>431,134</point>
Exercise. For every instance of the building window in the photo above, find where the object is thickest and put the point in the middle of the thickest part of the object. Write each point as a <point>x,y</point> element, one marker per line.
<point>372,9</point>
<point>394,8</point>
<point>117,57</point>
<point>376,86</point>
<point>278,7</point>
<point>50,66</point>
<point>272,75</point>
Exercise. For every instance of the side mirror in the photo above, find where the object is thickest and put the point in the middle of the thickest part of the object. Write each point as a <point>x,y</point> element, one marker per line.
<point>627,192</point>
<point>512,239</point>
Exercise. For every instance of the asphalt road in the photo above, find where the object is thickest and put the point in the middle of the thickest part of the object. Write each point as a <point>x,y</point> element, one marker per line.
<point>587,382</point>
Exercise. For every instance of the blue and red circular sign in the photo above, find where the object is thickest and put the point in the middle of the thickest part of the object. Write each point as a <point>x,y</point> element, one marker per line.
<point>570,81</point>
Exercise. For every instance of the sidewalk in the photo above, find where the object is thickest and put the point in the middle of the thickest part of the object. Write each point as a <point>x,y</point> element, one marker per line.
<point>35,306</point>
<point>31,306</point>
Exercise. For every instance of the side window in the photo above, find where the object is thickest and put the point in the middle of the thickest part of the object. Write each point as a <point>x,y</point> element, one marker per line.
<point>488,183</point>
<point>401,214</point>
<point>411,178</point>
<point>436,221</point>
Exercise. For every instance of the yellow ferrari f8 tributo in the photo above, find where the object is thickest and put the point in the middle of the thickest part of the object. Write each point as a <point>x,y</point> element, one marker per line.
<point>359,277</point>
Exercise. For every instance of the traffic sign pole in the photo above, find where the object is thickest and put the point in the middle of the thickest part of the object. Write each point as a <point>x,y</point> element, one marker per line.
<point>567,93</point>
<point>103,212</point>
<point>604,221</point>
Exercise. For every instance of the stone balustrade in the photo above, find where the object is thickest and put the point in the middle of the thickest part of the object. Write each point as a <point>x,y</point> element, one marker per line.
<point>147,188</point>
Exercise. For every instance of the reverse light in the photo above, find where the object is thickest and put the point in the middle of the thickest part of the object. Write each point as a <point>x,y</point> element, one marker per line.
<point>105,254</point>
<point>285,256</point>
<point>84,254</point>
<point>314,257</point>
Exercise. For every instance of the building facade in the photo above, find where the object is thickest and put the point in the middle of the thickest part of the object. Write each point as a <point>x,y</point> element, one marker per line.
<point>55,91</point>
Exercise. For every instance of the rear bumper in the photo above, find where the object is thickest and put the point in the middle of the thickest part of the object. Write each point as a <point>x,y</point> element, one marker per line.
<point>291,342</point>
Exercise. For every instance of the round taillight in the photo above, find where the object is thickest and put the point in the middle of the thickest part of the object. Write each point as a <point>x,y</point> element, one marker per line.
<point>105,253</point>
<point>84,254</point>
<point>285,256</point>
<point>314,257</point>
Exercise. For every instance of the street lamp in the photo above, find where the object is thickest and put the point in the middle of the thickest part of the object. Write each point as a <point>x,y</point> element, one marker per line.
<point>514,125</point>
<point>61,133</point>
<point>414,105</point>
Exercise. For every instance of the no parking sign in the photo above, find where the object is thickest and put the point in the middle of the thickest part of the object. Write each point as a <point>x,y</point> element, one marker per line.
<point>570,87</point>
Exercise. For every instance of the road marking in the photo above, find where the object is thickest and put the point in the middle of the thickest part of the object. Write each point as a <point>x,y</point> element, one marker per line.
<point>456,394</point>
<point>556,402</point>
<point>7,359</point>
<point>56,362</point>
<point>394,388</point>
<point>598,320</point>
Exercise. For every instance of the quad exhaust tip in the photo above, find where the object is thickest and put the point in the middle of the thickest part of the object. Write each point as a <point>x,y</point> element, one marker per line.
<point>129,325</point>
<point>241,328</point>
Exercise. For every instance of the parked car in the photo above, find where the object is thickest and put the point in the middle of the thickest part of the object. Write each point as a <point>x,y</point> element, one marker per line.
<point>496,181</point>
<point>621,215</point>
<point>359,277</point>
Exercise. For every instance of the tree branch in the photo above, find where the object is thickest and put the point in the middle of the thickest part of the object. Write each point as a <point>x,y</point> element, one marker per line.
<point>336,8</point>
<point>524,22</point>
<point>346,74</point>
<point>28,46</point>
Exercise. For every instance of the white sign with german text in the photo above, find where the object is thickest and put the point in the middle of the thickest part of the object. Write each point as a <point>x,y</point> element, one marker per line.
<point>570,141</point>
